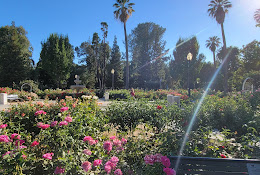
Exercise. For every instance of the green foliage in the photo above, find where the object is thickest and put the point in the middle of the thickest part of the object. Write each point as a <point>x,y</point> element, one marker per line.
<point>146,44</point>
<point>116,64</point>
<point>55,61</point>
<point>179,66</point>
<point>15,55</point>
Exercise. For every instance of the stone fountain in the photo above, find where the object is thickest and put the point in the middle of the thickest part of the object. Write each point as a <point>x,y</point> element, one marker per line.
<point>77,87</point>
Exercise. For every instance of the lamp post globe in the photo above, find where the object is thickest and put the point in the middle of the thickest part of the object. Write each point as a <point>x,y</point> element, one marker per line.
<point>113,74</point>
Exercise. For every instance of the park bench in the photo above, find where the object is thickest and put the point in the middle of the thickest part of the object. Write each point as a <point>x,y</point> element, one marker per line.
<point>13,98</point>
<point>216,166</point>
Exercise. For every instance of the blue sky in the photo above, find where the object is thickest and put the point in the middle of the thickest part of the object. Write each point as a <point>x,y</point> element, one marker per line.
<point>79,19</point>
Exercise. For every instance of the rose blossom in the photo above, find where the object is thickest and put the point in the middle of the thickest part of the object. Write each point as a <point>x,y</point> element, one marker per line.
<point>159,107</point>
<point>35,143</point>
<point>111,164</point>
<point>87,138</point>
<point>68,119</point>
<point>123,140</point>
<point>166,161</point>
<point>118,172</point>
<point>158,157</point>
<point>3,126</point>
<point>117,143</point>
<point>39,112</point>
<point>108,169</point>
<point>87,152</point>
<point>63,123</point>
<point>107,145</point>
<point>149,159</point>
<point>92,142</point>
<point>48,156</point>
<point>24,156</point>
<point>114,159</point>
<point>97,162</point>
<point>112,137</point>
<point>169,171</point>
<point>4,138</point>
<point>64,109</point>
<point>54,123</point>
<point>15,136</point>
<point>86,166</point>
<point>59,170</point>
<point>45,126</point>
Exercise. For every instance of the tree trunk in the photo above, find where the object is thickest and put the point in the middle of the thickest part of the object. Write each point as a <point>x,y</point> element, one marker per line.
<point>127,63</point>
<point>214,59</point>
<point>225,60</point>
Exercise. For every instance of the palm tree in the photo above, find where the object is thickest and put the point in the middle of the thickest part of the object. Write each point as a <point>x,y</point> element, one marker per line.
<point>123,11</point>
<point>218,10</point>
<point>257,17</point>
<point>213,43</point>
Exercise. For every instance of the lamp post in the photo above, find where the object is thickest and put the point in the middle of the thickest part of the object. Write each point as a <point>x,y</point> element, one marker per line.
<point>189,58</point>
<point>113,73</point>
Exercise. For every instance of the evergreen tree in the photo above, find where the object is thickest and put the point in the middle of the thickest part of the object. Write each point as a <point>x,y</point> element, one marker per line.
<point>15,55</point>
<point>116,64</point>
<point>179,65</point>
<point>56,60</point>
<point>148,60</point>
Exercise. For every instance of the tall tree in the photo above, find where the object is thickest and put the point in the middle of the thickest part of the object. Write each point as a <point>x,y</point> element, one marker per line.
<point>86,52</point>
<point>179,65</point>
<point>218,10</point>
<point>232,61</point>
<point>213,43</point>
<point>105,54</point>
<point>56,59</point>
<point>116,64</point>
<point>123,11</point>
<point>148,60</point>
<point>257,17</point>
<point>15,55</point>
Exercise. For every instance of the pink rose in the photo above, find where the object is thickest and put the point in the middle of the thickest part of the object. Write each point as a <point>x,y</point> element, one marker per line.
<point>35,143</point>
<point>107,145</point>
<point>64,109</point>
<point>59,170</point>
<point>123,140</point>
<point>86,166</point>
<point>108,169</point>
<point>3,126</point>
<point>39,112</point>
<point>24,156</point>
<point>87,152</point>
<point>111,164</point>
<point>68,119</point>
<point>117,143</point>
<point>112,137</point>
<point>15,136</point>
<point>48,156</point>
<point>63,123</point>
<point>39,125</point>
<point>114,159</point>
<point>169,171</point>
<point>54,123</point>
<point>4,138</point>
<point>87,138</point>
<point>97,162</point>
<point>166,161</point>
<point>118,172</point>
<point>149,159</point>
<point>158,157</point>
<point>45,126</point>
